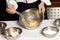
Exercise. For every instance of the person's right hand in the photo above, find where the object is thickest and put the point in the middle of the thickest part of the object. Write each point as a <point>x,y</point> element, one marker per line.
<point>10,9</point>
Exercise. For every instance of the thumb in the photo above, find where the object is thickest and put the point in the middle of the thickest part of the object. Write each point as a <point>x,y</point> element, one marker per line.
<point>43,10</point>
<point>40,10</point>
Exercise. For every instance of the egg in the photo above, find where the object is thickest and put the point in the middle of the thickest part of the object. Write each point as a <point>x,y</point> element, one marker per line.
<point>33,23</point>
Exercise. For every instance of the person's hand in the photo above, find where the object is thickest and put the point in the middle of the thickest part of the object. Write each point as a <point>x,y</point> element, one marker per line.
<point>10,9</point>
<point>41,7</point>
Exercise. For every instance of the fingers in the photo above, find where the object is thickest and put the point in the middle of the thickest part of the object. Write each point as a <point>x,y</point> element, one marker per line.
<point>41,9</point>
<point>11,11</point>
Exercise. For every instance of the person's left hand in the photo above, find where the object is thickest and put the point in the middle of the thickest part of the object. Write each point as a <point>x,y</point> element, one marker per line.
<point>41,7</point>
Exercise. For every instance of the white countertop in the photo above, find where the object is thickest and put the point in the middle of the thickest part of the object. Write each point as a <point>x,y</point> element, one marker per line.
<point>33,34</point>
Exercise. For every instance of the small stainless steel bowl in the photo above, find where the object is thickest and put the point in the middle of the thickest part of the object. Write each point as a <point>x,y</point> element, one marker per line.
<point>12,33</point>
<point>2,27</point>
<point>49,31</point>
<point>57,22</point>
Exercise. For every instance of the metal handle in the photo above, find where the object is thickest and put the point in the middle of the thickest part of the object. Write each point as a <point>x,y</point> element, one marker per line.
<point>17,12</point>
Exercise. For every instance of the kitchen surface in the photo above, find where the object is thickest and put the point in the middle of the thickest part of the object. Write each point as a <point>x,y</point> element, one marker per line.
<point>32,34</point>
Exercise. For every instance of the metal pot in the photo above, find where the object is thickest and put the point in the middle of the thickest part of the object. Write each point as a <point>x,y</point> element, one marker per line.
<point>30,18</point>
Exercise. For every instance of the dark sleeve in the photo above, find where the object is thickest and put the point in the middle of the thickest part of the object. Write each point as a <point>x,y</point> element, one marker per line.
<point>4,16</point>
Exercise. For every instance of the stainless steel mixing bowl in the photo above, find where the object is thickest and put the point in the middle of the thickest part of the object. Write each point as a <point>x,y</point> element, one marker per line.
<point>12,33</point>
<point>49,31</point>
<point>30,18</point>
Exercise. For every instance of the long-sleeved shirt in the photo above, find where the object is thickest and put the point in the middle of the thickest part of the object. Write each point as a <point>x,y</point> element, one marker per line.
<point>14,2</point>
